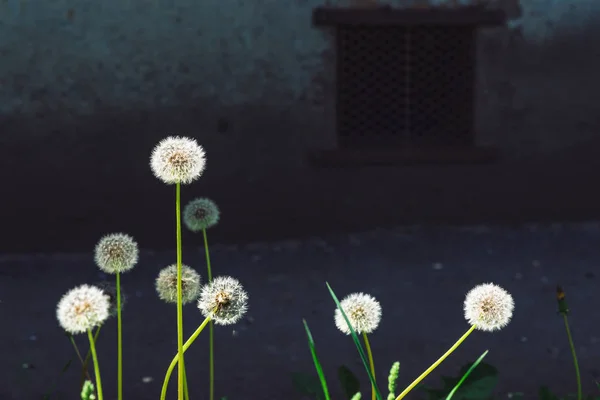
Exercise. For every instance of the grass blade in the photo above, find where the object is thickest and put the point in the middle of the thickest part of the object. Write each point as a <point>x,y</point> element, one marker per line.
<point>356,342</point>
<point>311,344</point>
<point>475,364</point>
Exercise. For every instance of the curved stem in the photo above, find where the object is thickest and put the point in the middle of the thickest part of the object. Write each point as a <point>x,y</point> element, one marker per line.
<point>179,295</point>
<point>96,366</point>
<point>189,342</point>
<point>371,363</point>
<point>435,364</point>
<point>119,341</point>
<point>210,327</point>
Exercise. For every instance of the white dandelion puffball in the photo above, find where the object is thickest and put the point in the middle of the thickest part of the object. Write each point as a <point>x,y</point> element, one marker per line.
<point>116,252</point>
<point>363,312</point>
<point>178,160</point>
<point>488,307</point>
<point>82,308</point>
<point>166,284</point>
<point>200,213</point>
<point>224,300</point>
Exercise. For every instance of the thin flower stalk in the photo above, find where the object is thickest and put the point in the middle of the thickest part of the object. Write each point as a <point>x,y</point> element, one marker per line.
<point>563,309</point>
<point>211,326</point>
<point>114,254</point>
<point>371,363</point>
<point>96,365</point>
<point>178,160</point>
<point>487,307</point>
<point>435,364</point>
<point>180,369</point>
<point>199,215</point>
<point>188,343</point>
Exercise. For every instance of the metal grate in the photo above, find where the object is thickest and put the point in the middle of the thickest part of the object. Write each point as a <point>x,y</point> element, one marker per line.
<point>405,86</point>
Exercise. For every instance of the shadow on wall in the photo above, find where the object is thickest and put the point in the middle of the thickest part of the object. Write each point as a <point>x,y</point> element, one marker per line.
<point>68,180</point>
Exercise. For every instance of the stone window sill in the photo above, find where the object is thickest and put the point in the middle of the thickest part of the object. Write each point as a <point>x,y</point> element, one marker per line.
<point>429,156</point>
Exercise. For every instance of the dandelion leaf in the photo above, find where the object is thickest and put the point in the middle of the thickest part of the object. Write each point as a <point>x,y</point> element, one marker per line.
<point>479,385</point>
<point>349,381</point>
<point>308,385</point>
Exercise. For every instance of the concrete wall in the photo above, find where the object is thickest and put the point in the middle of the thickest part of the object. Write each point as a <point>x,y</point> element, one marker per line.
<point>87,88</point>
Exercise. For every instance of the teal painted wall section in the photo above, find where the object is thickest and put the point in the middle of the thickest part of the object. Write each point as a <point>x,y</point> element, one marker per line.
<point>132,53</point>
<point>63,59</point>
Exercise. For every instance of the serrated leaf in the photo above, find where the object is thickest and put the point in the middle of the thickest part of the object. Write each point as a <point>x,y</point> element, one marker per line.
<point>348,381</point>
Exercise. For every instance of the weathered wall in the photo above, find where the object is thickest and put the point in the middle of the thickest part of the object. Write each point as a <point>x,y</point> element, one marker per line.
<point>87,88</point>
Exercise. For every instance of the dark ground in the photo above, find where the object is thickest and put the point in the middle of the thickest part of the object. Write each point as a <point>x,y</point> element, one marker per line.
<point>420,276</point>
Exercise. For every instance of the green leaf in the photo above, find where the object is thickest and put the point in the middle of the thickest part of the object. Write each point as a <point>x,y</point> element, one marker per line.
<point>466,375</point>
<point>349,381</point>
<point>307,385</point>
<point>311,345</point>
<point>361,352</point>
<point>479,384</point>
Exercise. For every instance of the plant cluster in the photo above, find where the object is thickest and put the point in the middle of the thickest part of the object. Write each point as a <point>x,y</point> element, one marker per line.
<point>223,301</point>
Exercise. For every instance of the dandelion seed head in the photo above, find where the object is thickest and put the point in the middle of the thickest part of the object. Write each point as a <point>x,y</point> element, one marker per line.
<point>363,312</point>
<point>200,213</point>
<point>116,252</point>
<point>224,299</point>
<point>166,284</point>
<point>488,307</point>
<point>178,160</point>
<point>82,308</point>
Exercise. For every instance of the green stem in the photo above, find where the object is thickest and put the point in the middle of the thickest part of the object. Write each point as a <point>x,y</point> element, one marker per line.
<point>210,327</point>
<point>119,341</point>
<point>188,343</point>
<point>180,368</point>
<point>572,345</point>
<point>96,366</point>
<point>211,355</point>
<point>207,255</point>
<point>435,364</point>
<point>84,363</point>
<point>186,392</point>
<point>371,363</point>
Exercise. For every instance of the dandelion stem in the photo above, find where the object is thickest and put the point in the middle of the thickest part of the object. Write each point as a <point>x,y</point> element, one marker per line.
<point>96,367</point>
<point>84,371</point>
<point>188,343</point>
<point>209,272</point>
<point>84,363</point>
<point>119,341</point>
<point>186,392</point>
<point>210,326</point>
<point>180,368</point>
<point>371,363</point>
<point>572,345</point>
<point>435,364</point>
